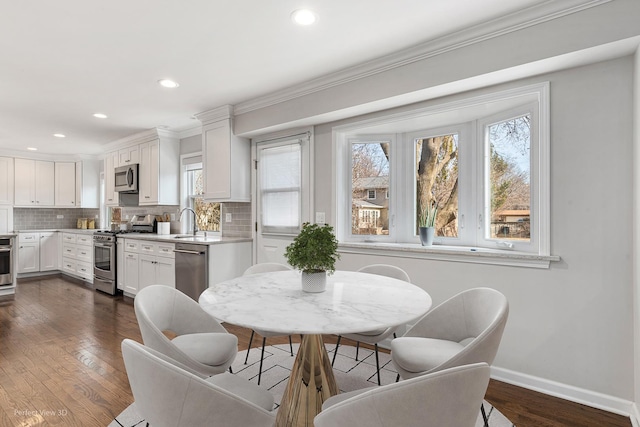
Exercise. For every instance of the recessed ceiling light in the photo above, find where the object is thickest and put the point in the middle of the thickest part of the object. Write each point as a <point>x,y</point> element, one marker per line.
<point>303,17</point>
<point>32,149</point>
<point>100,116</point>
<point>59,135</point>
<point>168,83</point>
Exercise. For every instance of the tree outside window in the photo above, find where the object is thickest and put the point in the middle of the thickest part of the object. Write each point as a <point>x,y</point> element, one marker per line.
<point>207,214</point>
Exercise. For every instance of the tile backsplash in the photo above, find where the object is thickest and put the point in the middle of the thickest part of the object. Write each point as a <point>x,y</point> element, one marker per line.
<point>49,218</point>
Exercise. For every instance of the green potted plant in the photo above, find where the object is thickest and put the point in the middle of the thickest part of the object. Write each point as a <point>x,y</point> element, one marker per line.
<point>314,251</point>
<point>427,223</point>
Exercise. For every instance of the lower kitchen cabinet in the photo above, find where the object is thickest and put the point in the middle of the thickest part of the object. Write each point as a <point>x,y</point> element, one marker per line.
<point>147,263</point>
<point>131,270</point>
<point>77,255</point>
<point>37,252</point>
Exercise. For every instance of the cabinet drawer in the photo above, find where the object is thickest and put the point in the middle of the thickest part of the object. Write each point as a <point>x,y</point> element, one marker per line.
<point>69,265</point>
<point>131,246</point>
<point>69,250</point>
<point>165,250</point>
<point>28,237</point>
<point>147,248</point>
<point>84,269</point>
<point>68,238</point>
<point>84,239</point>
<point>84,253</point>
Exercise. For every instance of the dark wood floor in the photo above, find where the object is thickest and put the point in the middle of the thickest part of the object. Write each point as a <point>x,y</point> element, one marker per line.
<point>60,363</point>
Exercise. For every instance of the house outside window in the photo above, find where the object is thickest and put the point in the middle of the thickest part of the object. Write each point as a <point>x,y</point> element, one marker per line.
<point>207,214</point>
<point>488,175</point>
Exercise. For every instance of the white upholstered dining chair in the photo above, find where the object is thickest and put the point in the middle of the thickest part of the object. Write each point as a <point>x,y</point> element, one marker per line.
<point>449,397</point>
<point>466,328</point>
<point>374,337</point>
<point>170,394</point>
<point>200,342</point>
<point>265,267</point>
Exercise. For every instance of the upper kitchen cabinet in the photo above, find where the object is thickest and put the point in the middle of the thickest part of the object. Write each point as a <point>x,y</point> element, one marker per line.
<point>226,158</point>
<point>128,155</point>
<point>6,180</point>
<point>110,165</point>
<point>65,184</point>
<point>157,152</point>
<point>158,173</point>
<point>34,183</point>
<point>87,185</point>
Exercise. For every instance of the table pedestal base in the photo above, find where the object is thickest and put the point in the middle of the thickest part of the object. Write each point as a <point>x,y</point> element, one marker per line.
<point>311,383</point>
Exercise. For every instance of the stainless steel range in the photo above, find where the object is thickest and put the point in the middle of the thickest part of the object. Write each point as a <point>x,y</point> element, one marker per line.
<point>104,261</point>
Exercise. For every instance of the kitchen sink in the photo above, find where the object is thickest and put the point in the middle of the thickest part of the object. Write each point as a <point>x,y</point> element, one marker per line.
<point>198,238</point>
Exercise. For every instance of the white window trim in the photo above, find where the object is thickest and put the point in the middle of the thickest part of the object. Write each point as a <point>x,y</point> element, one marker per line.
<point>185,198</point>
<point>499,256</point>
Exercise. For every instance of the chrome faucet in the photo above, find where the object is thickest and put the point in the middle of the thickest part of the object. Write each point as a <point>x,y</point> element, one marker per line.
<point>195,221</point>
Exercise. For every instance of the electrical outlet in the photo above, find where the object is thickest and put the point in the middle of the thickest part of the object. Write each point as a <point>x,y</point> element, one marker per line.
<point>60,216</point>
<point>228,218</point>
<point>320,218</point>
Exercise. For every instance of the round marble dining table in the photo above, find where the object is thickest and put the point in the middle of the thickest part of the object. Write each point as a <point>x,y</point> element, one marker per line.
<point>352,302</point>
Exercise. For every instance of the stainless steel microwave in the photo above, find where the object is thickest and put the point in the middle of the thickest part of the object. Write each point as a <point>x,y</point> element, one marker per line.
<point>126,179</point>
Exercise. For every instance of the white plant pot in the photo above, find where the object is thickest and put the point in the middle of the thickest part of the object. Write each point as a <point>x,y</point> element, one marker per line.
<point>314,282</point>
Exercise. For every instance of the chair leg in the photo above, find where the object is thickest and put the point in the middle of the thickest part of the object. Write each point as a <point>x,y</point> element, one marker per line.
<point>249,348</point>
<point>398,378</point>
<point>264,341</point>
<point>484,415</point>
<point>377,363</point>
<point>335,353</point>
<point>230,370</point>
<point>357,349</point>
<point>290,345</point>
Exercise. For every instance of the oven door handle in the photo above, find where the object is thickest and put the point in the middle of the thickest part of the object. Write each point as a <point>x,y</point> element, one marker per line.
<point>102,245</point>
<point>5,249</point>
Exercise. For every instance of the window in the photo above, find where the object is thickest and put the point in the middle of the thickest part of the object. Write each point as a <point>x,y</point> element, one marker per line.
<point>207,214</point>
<point>483,162</point>
<point>280,188</point>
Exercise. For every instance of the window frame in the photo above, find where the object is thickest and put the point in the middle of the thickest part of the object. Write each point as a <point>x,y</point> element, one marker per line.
<point>533,99</point>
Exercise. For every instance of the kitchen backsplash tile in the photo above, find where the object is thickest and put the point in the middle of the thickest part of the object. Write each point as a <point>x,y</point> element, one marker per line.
<point>47,218</point>
<point>240,225</point>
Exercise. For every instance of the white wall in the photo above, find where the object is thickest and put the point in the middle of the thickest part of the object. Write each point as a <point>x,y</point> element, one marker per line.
<point>636,228</point>
<point>573,323</point>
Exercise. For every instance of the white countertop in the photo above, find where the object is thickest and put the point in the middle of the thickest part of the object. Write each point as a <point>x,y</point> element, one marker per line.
<point>173,238</point>
<point>352,302</point>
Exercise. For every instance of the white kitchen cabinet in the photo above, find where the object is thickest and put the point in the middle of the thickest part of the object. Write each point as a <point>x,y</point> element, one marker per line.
<point>148,263</point>
<point>77,255</point>
<point>28,253</point>
<point>130,272</point>
<point>128,155</point>
<point>158,173</point>
<point>65,184</point>
<point>34,182</point>
<point>6,219</point>
<point>6,180</point>
<point>110,164</point>
<point>49,251</point>
<point>88,184</point>
<point>226,163</point>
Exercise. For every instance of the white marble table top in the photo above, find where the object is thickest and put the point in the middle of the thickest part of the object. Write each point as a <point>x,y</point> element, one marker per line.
<point>352,302</point>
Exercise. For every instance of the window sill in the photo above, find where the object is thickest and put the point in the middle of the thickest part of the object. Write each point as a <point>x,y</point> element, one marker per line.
<point>451,253</point>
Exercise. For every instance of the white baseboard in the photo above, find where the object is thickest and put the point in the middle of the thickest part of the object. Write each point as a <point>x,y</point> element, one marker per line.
<point>635,415</point>
<point>574,394</point>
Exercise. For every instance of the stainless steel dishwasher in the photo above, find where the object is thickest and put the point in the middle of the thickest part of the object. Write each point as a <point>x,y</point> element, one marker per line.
<point>192,276</point>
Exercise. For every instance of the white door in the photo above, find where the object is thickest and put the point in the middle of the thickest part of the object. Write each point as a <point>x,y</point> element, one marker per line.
<point>49,251</point>
<point>131,272</point>
<point>165,271</point>
<point>283,194</point>
<point>147,272</point>
<point>29,257</point>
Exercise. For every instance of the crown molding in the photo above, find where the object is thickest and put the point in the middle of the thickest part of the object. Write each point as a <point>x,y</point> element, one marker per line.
<point>510,23</point>
<point>220,113</point>
<point>141,137</point>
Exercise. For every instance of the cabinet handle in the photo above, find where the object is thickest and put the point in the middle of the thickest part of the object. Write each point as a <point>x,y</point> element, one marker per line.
<point>147,197</point>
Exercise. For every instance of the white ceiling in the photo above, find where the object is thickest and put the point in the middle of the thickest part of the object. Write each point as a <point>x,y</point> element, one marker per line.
<point>63,61</point>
